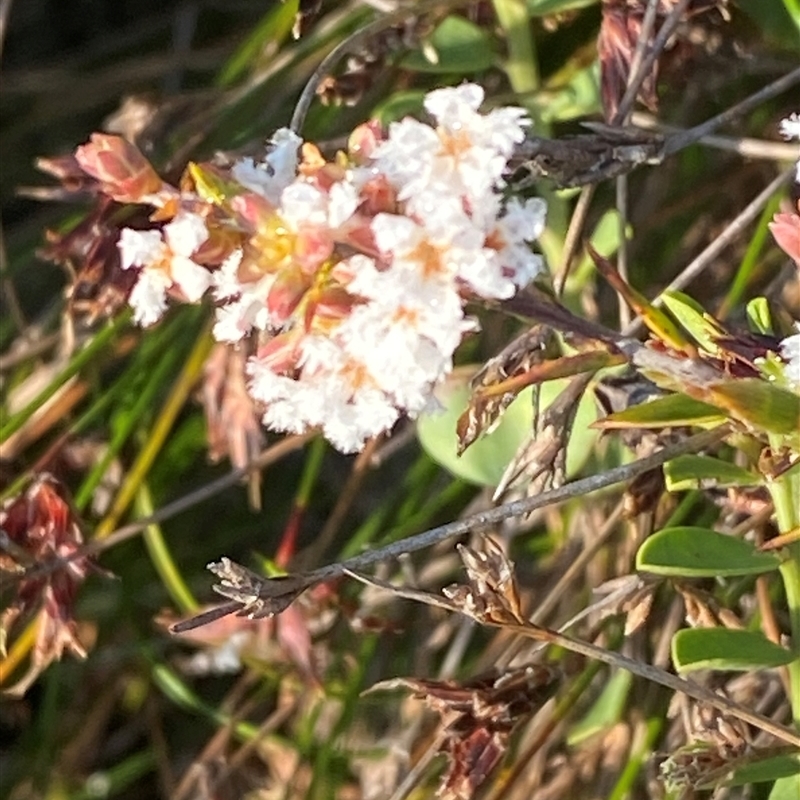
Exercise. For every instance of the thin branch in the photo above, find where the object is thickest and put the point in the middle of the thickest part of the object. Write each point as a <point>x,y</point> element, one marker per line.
<point>731,232</point>
<point>648,23</point>
<point>258,597</point>
<point>597,653</point>
<point>573,237</point>
<point>685,138</point>
<point>347,46</point>
<point>743,145</point>
<point>665,31</point>
<point>268,456</point>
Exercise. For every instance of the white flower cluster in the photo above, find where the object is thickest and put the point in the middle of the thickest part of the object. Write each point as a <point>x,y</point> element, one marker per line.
<point>354,274</point>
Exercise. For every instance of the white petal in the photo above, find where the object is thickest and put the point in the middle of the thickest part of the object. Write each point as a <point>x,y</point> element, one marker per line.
<point>790,127</point>
<point>192,279</point>
<point>452,105</point>
<point>138,248</point>
<point>149,297</point>
<point>276,172</point>
<point>303,204</point>
<point>186,233</point>
<point>343,201</point>
<point>226,278</point>
<point>790,352</point>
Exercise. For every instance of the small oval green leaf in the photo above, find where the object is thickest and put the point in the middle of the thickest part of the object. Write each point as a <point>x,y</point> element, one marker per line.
<point>701,553</point>
<point>704,329</point>
<point>726,649</point>
<point>703,472</point>
<point>485,461</point>
<point>786,788</point>
<point>765,769</point>
<point>663,412</point>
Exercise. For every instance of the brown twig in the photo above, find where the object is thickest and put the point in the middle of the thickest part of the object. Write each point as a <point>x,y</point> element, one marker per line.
<point>734,228</point>
<point>597,653</point>
<point>251,595</point>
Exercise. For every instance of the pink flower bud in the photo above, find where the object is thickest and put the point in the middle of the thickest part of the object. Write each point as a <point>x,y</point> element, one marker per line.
<point>363,140</point>
<point>786,230</point>
<point>280,353</point>
<point>126,175</point>
<point>286,293</point>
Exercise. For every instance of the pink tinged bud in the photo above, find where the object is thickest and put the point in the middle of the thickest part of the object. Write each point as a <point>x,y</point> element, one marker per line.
<point>786,230</point>
<point>280,353</point>
<point>378,195</point>
<point>361,238</point>
<point>126,175</point>
<point>333,304</point>
<point>253,209</point>
<point>286,293</point>
<point>312,248</point>
<point>363,141</point>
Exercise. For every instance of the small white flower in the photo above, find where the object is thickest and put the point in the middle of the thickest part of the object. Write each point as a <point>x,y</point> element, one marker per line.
<point>305,205</point>
<point>270,177</point>
<point>521,223</point>
<point>790,127</point>
<point>790,353</point>
<point>407,155</point>
<point>165,263</point>
<point>185,233</point>
<point>137,248</point>
<point>243,306</point>
<point>149,297</point>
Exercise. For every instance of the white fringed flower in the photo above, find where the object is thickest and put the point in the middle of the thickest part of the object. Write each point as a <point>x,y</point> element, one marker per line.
<point>353,276</point>
<point>270,177</point>
<point>165,261</point>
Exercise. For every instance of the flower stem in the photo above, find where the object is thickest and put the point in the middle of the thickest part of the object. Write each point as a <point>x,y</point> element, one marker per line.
<point>522,67</point>
<point>161,556</point>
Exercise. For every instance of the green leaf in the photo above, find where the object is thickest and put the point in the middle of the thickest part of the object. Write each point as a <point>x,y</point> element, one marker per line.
<point>787,788</point>
<point>543,8</point>
<point>485,461</point>
<point>766,769</point>
<point>457,45</point>
<point>779,22</point>
<point>703,472</point>
<point>399,105</point>
<point>758,403</point>
<point>726,649</point>
<point>606,710</point>
<point>577,97</point>
<point>760,316</point>
<point>693,317</point>
<point>701,553</point>
<point>273,28</point>
<point>663,412</point>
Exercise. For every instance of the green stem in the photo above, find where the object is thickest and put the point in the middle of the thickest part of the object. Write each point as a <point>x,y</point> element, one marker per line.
<point>790,572</point>
<point>161,556</point>
<point>522,67</point>
<point>127,422</point>
<point>786,498</point>
<point>191,372</point>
